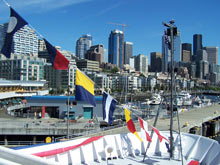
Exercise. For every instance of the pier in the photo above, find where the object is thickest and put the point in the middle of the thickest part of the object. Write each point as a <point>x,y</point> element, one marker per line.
<point>196,121</point>
<point>191,120</point>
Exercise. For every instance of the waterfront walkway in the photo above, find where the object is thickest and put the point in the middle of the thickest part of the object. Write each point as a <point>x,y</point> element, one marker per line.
<point>188,120</point>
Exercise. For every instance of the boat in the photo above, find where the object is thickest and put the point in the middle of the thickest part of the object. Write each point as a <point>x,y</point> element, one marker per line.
<point>121,149</point>
<point>155,99</point>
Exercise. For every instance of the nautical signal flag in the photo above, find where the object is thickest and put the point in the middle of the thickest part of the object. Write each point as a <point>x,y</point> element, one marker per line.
<point>16,22</point>
<point>158,134</point>
<point>108,107</point>
<point>130,123</point>
<point>59,61</point>
<point>144,128</point>
<point>84,88</point>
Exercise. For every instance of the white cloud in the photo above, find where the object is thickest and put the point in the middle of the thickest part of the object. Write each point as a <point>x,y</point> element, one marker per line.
<point>44,4</point>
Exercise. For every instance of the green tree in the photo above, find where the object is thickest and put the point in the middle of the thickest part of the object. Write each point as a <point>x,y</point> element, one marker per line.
<point>114,70</point>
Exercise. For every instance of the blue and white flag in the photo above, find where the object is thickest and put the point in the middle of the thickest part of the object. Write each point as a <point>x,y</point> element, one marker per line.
<point>16,22</point>
<point>108,104</point>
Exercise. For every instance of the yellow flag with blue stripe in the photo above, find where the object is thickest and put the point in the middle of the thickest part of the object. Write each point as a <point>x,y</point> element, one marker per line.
<point>84,88</point>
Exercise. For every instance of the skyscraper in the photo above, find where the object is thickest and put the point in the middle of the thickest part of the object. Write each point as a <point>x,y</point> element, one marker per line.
<point>197,43</point>
<point>141,63</point>
<point>115,48</point>
<point>95,53</point>
<point>25,40</point>
<point>156,61</point>
<point>186,52</point>
<point>165,53</point>
<point>82,45</point>
<point>128,51</point>
<point>177,48</point>
<point>212,53</point>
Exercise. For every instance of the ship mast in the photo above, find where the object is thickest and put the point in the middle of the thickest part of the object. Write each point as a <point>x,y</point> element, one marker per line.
<point>171,31</point>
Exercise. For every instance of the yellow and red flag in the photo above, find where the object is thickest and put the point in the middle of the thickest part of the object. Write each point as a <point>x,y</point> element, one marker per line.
<point>130,123</point>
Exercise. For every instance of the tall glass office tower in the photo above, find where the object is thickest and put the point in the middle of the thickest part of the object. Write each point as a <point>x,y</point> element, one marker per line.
<point>197,43</point>
<point>165,53</point>
<point>82,45</point>
<point>177,48</point>
<point>115,48</point>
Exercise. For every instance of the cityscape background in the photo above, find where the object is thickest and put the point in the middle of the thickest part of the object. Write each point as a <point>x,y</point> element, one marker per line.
<point>112,61</point>
<point>62,23</point>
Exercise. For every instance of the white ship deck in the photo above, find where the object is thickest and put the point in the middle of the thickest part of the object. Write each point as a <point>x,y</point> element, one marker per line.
<point>118,149</point>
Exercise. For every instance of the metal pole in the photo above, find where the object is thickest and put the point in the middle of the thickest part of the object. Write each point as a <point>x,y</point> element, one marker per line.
<point>172,84</point>
<point>68,103</point>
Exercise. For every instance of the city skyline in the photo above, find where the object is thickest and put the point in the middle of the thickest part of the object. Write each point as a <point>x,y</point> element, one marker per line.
<point>62,23</point>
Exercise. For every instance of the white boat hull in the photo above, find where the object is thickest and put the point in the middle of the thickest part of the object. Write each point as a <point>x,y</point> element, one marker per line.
<point>127,149</point>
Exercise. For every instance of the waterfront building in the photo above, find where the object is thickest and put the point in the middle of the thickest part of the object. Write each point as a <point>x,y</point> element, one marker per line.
<point>197,43</point>
<point>128,51</point>
<point>115,48</point>
<point>41,45</point>
<point>58,79</point>
<point>10,89</point>
<point>102,82</point>
<point>82,45</point>
<point>88,65</point>
<point>151,82</point>
<point>156,61</point>
<point>95,53</point>
<point>212,53</point>
<point>25,41</point>
<point>141,63</point>
<point>22,67</point>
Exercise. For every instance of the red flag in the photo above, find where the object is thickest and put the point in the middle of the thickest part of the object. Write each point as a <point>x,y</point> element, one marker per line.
<point>158,134</point>
<point>59,61</point>
<point>193,162</point>
<point>143,125</point>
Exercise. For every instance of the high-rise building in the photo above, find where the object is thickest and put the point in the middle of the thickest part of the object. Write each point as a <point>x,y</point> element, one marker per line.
<point>212,53</point>
<point>141,63</point>
<point>201,55</point>
<point>197,43</point>
<point>115,48</point>
<point>95,53</point>
<point>156,61</point>
<point>128,51</point>
<point>186,52</point>
<point>25,40</point>
<point>177,48</point>
<point>82,45</point>
<point>165,53</point>
<point>186,56</point>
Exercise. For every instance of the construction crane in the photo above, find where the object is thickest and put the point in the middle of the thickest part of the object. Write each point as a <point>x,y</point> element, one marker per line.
<point>119,24</point>
<point>123,30</point>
